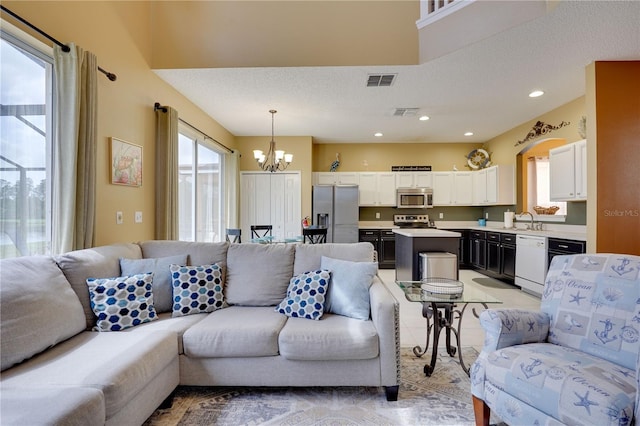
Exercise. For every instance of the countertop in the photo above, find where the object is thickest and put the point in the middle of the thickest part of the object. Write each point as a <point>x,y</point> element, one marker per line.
<point>568,232</point>
<point>426,233</point>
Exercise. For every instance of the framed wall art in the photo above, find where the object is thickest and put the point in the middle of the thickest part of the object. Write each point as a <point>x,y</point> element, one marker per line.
<point>126,163</point>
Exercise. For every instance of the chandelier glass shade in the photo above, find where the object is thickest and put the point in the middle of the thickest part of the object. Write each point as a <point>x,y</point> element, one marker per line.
<point>275,159</point>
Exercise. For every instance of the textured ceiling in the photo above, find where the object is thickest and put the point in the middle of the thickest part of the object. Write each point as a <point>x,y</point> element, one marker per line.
<point>480,88</point>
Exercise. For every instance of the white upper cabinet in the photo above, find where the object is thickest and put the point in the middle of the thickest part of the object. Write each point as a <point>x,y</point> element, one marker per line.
<point>335,178</point>
<point>442,188</point>
<point>494,185</point>
<point>452,189</point>
<point>377,188</point>
<point>568,172</point>
<point>414,180</point>
<point>463,188</point>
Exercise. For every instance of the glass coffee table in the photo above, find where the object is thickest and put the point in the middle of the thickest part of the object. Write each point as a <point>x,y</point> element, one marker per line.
<point>441,298</point>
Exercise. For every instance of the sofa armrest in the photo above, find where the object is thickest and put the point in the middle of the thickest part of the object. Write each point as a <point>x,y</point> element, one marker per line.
<point>385,314</point>
<point>508,327</point>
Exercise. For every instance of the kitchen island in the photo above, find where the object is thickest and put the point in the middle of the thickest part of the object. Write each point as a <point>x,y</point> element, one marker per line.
<point>411,242</point>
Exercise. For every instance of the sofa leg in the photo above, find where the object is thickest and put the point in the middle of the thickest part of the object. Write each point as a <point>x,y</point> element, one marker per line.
<point>392,392</point>
<point>481,411</point>
<point>168,402</point>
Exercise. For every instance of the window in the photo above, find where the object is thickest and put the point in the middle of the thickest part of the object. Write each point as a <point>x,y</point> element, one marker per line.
<point>26,138</point>
<point>200,204</point>
<point>538,171</point>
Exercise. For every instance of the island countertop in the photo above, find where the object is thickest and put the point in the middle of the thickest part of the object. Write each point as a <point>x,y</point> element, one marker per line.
<point>426,233</point>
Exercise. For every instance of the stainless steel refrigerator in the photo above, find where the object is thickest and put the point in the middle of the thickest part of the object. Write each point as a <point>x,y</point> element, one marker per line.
<point>336,208</point>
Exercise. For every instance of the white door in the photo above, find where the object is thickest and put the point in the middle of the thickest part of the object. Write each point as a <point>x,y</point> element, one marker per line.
<point>386,189</point>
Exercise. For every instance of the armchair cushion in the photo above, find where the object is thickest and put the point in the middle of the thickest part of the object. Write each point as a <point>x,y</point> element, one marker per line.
<point>564,383</point>
<point>508,327</point>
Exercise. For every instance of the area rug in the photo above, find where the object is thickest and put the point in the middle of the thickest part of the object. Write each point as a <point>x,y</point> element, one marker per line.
<point>442,399</point>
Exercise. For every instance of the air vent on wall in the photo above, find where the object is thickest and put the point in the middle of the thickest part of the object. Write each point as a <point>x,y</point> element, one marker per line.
<point>380,80</point>
<point>405,112</point>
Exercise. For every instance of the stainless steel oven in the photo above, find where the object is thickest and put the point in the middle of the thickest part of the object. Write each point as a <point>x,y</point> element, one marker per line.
<point>414,198</point>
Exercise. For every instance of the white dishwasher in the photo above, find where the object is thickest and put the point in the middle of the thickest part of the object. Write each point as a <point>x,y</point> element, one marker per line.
<point>531,263</point>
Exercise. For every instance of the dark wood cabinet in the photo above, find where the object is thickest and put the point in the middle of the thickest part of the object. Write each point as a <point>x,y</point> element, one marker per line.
<point>384,243</point>
<point>494,257</point>
<point>508,255</point>
<point>478,249</point>
<point>463,248</point>
<point>387,246</point>
<point>558,246</point>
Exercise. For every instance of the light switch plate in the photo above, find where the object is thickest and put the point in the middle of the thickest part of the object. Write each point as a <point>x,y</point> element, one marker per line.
<point>377,215</point>
<point>119,218</point>
<point>138,217</point>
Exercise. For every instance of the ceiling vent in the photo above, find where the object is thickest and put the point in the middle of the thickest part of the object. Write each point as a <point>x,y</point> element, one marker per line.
<point>380,80</point>
<point>405,112</point>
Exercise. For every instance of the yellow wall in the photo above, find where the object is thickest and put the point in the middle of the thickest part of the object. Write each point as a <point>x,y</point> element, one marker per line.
<point>299,146</point>
<point>380,157</point>
<point>504,146</point>
<point>119,33</point>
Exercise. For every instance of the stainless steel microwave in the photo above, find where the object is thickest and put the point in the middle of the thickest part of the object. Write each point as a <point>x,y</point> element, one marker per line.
<point>414,198</point>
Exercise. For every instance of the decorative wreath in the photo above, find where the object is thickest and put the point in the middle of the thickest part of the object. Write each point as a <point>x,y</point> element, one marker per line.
<point>478,159</point>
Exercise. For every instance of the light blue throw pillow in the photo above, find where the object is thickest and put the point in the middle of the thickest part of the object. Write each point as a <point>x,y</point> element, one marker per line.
<point>348,292</point>
<point>306,295</point>
<point>122,302</point>
<point>162,290</point>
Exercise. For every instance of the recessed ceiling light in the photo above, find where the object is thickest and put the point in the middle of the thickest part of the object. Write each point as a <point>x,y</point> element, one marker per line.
<point>378,135</point>
<point>536,93</point>
<point>469,134</point>
<point>424,118</point>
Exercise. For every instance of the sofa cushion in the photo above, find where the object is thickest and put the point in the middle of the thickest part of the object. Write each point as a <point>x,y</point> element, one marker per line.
<point>162,289</point>
<point>564,383</point>
<point>258,274</point>
<point>348,292</point>
<point>99,262</point>
<point>39,308</point>
<point>122,302</point>
<point>306,295</point>
<point>196,289</point>
<point>165,322</point>
<point>334,337</point>
<point>309,256</point>
<point>238,331</point>
<point>118,364</point>
<point>69,406</point>
<point>198,253</point>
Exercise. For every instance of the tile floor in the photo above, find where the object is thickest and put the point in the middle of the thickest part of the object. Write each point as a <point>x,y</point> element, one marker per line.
<point>413,325</point>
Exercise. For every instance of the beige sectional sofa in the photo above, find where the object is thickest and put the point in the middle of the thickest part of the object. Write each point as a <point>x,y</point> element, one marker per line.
<point>57,370</point>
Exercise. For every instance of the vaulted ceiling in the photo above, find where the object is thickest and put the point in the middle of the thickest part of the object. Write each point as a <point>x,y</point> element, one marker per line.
<point>311,60</point>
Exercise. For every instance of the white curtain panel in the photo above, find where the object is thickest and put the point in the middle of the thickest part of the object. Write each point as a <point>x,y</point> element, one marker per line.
<point>232,178</point>
<point>73,200</point>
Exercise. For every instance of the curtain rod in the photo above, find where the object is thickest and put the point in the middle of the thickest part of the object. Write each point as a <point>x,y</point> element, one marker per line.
<point>65,48</point>
<point>157,107</point>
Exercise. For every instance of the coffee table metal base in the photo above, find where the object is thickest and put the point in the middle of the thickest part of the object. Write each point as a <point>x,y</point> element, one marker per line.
<point>445,317</point>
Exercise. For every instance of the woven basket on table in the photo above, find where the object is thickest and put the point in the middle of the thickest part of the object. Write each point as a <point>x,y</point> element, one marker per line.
<point>546,210</point>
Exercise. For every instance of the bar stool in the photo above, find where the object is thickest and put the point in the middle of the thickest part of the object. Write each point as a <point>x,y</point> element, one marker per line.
<point>314,235</point>
<point>261,231</point>
<point>234,235</point>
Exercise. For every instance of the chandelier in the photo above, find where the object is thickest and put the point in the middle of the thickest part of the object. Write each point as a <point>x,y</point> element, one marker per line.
<point>275,159</point>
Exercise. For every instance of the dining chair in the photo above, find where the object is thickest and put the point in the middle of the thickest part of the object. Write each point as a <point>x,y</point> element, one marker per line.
<point>261,231</point>
<point>314,235</point>
<point>234,235</point>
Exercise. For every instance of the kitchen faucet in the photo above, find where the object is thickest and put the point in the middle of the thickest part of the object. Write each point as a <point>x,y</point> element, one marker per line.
<point>530,214</point>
